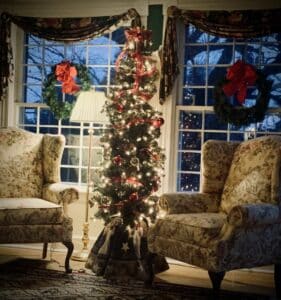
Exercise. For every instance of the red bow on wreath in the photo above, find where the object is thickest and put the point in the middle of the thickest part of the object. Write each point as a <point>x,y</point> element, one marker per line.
<point>66,74</point>
<point>240,75</point>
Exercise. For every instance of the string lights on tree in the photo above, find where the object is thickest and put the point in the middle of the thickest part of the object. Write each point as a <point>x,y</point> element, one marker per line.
<point>133,161</point>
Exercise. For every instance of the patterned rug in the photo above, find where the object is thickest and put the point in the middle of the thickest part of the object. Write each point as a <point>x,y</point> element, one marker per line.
<point>34,279</point>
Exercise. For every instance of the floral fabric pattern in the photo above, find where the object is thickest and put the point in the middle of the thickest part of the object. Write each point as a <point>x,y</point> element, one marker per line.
<point>33,209</point>
<point>254,173</point>
<point>216,160</point>
<point>45,233</point>
<point>180,203</point>
<point>60,193</point>
<point>198,228</point>
<point>245,232</point>
<point>21,164</point>
<point>254,214</point>
<point>20,211</point>
<point>52,153</point>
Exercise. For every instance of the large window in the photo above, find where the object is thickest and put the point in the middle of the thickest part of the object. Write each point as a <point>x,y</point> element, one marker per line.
<point>205,60</point>
<point>99,55</point>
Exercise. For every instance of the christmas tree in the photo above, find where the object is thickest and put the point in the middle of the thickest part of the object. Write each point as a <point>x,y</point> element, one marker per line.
<point>133,161</point>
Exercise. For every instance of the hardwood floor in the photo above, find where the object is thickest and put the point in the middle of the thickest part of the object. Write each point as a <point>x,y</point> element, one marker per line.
<point>258,281</point>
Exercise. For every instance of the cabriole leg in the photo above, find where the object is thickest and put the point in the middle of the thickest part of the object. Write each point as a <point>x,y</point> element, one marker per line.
<point>216,278</point>
<point>69,245</point>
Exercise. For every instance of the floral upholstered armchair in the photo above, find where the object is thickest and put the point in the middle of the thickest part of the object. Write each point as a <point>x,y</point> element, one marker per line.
<point>235,220</point>
<point>33,202</point>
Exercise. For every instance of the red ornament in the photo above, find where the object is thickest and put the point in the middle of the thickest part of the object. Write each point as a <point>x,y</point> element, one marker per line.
<point>157,123</point>
<point>134,197</point>
<point>119,107</point>
<point>118,160</point>
<point>133,181</point>
<point>240,75</point>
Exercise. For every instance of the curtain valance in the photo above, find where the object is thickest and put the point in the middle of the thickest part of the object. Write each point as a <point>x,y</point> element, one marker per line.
<point>238,24</point>
<point>57,29</point>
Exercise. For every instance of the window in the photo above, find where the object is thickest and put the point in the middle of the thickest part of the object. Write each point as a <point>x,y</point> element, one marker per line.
<point>205,60</point>
<point>40,55</point>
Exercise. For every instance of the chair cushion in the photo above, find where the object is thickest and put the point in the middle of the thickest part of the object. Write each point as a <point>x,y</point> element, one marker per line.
<point>254,173</point>
<point>198,228</point>
<point>21,171</point>
<point>29,211</point>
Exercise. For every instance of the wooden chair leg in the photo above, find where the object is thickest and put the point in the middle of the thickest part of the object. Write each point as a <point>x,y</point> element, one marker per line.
<point>69,245</point>
<point>45,249</point>
<point>277,280</point>
<point>150,269</point>
<point>216,279</point>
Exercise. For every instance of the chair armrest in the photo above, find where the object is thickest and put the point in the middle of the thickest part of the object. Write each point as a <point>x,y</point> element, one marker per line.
<point>254,214</point>
<point>179,203</point>
<point>60,193</point>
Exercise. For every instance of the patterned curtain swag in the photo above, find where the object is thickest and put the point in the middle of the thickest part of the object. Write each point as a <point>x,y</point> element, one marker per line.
<point>238,24</point>
<point>57,29</point>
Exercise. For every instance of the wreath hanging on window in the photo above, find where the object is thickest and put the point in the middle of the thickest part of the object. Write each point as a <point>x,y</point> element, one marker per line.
<point>64,72</point>
<point>239,76</point>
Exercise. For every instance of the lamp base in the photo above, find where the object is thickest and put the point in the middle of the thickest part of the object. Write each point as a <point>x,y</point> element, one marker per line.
<point>81,255</point>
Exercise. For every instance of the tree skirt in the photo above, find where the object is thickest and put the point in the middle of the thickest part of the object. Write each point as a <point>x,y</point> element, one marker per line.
<point>122,253</point>
<point>30,279</point>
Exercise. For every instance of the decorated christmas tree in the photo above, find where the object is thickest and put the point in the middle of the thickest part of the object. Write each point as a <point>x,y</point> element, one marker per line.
<point>133,165</point>
<point>133,161</point>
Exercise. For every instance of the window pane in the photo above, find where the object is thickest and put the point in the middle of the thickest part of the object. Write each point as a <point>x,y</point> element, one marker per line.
<point>33,74</point>
<point>190,120</point>
<point>72,136</point>
<point>212,122</point>
<point>69,174</point>
<point>33,94</point>
<point>34,55</point>
<point>188,161</point>
<point>98,55</point>
<point>188,182</point>
<point>194,76</point>
<point>98,75</point>
<point>196,55</point>
<point>193,96</point>
<point>54,54</point>
<point>76,54</point>
<point>47,117</point>
<point>189,140</point>
<point>220,54</point>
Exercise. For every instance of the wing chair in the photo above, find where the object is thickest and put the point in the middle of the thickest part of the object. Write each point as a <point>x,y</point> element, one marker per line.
<point>235,220</point>
<point>33,202</point>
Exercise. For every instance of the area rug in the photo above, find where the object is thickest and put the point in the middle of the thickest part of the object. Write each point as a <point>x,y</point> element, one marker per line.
<point>33,279</point>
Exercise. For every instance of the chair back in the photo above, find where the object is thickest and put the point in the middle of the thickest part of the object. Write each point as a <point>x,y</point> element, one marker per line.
<point>27,161</point>
<point>254,175</point>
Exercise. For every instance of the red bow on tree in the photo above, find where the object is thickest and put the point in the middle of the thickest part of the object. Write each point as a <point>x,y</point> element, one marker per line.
<point>66,74</point>
<point>240,75</point>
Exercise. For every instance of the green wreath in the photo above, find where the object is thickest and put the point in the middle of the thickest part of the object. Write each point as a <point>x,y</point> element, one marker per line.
<point>62,110</point>
<point>241,115</point>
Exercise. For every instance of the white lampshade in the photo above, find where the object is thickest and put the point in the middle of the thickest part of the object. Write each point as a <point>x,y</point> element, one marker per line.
<point>88,107</point>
